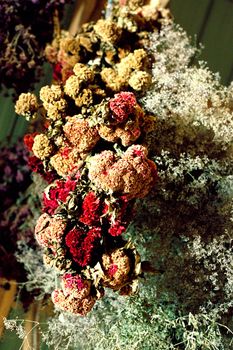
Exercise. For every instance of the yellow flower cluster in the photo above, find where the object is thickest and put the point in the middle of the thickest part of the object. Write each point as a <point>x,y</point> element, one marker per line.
<point>27,105</point>
<point>107,31</point>
<point>128,72</point>
<point>53,101</point>
<point>42,147</point>
<point>83,76</point>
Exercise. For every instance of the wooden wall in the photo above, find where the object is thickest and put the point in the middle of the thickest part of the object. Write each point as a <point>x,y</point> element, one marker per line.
<point>210,20</point>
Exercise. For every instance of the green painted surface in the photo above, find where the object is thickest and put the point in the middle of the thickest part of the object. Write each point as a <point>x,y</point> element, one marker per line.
<point>218,39</point>
<point>7,117</point>
<point>10,342</point>
<point>190,14</point>
<point>212,23</point>
<point>13,126</point>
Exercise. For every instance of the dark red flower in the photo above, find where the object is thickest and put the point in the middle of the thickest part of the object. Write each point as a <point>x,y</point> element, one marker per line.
<point>57,194</point>
<point>36,165</point>
<point>57,76</point>
<point>122,105</point>
<point>122,212</point>
<point>29,140</point>
<point>82,245</point>
<point>117,229</point>
<point>49,176</point>
<point>90,210</point>
<point>64,188</point>
<point>124,204</point>
<point>49,204</point>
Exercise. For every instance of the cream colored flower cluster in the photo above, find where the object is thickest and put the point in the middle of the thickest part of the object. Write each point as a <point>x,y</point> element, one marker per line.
<point>129,72</point>
<point>53,101</point>
<point>27,105</point>
<point>75,295</point>
<point>132,174</point>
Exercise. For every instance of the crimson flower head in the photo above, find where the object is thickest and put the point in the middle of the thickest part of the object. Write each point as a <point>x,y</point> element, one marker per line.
<point>50,204</point>
<point>82,244</point>
<point>122,216</point>
<point>90,210</point>
<point>57,76</point>
<point>36,164</point>
<point>117,228</point>
<point>72,282</point>
<point>57,194</point>
<point>29,140</point>
<point>122,105</point>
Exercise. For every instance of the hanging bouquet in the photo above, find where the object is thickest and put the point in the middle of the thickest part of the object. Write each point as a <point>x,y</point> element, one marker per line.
<point>93,150</point>
<point>131,90</point>
<point>25,28</point>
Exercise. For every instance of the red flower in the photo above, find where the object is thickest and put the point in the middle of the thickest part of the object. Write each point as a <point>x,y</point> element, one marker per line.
<point>37,166</point>
<point>49,176</point>
<point>81,244</point>
<point>50,204</point>
<point>122,105</point>
<point>90,210</point>
<point>116,229</point>
<point>138,153</point>
<point>60,73</point>
<point>122,216</point>
<point>29,140</point>
<point>112,270</point>
<point>71,282</point>
<point>65,153</point>
<point>64,188</point>
<point>58,194</point>
<point>57,76</point>
<point>46,124</point>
